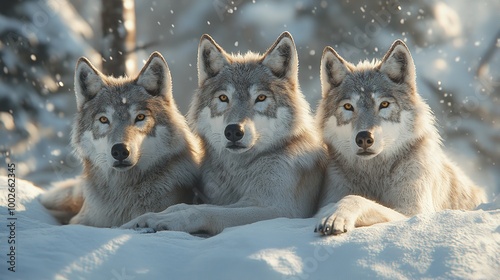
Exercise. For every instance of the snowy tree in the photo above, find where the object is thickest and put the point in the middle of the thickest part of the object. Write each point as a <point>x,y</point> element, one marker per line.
<point>38,51</point>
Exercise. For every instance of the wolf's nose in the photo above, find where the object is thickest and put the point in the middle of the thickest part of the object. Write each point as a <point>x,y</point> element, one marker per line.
<point>234,132</point>
<point>120,151</point>
<point>364,139</point>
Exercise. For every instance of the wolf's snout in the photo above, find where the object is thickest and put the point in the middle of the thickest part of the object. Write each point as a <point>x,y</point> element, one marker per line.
<point>364,139</point>
<point>120,151</point>
<point>234,132</point>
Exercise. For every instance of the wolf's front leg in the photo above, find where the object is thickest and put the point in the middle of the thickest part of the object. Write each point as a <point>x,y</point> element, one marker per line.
<point>211,219</point>
<point>187,218</point>
<point>353,211</point>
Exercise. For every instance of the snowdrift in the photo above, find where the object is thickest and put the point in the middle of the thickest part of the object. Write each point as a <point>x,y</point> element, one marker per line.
<point>449,244</point>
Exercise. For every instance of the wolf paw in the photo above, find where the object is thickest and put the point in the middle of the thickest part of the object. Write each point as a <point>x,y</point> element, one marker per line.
<point>145,230</point>
<point>333,224</point>
<point>147,220</point>
<point>335,220</point>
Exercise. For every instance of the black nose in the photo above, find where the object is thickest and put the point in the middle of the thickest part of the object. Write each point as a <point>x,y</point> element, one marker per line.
<point>120,151</point>
<point>234,132</point>
<point>364,139</point>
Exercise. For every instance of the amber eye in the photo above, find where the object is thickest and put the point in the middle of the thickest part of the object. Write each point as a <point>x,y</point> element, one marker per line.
<point>223,98</point>
<point>384,104</point>
<point>261,98</point>
<point>140,117</point>
<point>103,119</point>
<point>348,107</point>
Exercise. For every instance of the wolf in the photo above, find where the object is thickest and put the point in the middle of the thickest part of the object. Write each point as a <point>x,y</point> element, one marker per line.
<point>137,150</point>
<point>386,161</point>
<point>262,156</point>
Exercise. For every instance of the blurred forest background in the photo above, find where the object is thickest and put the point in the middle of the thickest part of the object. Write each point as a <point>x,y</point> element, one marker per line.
<point>455,44</point>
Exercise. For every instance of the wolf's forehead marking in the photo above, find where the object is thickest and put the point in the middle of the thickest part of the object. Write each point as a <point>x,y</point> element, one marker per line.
<point>242,91</point>
<point>365,96</point>
<point>254,91</point>
<point>122,112</point>
<point>349,96</point>
<point>230,91</point>
<point>377,96</point>
<point>134,108</point>
<point>109,111</point>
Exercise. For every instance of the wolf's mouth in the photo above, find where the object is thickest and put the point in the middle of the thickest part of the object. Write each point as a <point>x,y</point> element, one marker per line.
<point>365,153</point>
<point>121,164</point>
<point>235,146</point>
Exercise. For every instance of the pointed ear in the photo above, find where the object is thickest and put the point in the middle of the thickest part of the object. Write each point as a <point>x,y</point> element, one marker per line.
<point>155,76</point>
<point>398,64</point>
<point>88,82</point>
<point>282,57</point>
<point>333,70</point>
<point>211,59</point>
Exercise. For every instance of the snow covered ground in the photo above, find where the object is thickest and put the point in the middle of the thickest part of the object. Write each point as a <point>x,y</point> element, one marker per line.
<point>445,245</point>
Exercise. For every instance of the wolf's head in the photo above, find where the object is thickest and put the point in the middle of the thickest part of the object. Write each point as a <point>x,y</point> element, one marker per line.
<point>249,102</point>
<point>122,123</point>
<point>372,108</point>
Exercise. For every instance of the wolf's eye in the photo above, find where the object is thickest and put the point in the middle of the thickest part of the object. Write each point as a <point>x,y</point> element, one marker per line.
<point>260,98</point>
<point>103,119</point>
<point>384,104</point>
<point>223,98</point>
<point>140,117</point>
<point>348,107</point>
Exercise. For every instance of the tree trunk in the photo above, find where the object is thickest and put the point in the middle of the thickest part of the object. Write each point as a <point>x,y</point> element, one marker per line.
<point>118,29</point>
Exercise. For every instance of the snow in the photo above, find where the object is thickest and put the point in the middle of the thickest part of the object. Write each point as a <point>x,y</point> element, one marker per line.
<point>450,244</point>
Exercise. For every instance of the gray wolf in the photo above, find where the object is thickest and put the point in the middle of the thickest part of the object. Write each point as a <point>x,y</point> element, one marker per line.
<point>137,151</point>
<point>385,157</point>
<point>262,155</point>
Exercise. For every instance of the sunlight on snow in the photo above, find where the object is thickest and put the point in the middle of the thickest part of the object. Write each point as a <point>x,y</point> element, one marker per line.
<point>93,259</point>
<point>284,261</point>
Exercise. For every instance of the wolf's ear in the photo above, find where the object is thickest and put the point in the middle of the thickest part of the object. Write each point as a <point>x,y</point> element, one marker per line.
<point>155,76</point>
<point>88,82</point>
<point>282,57</point>
<point>398,64</point>
<point>333,70</point>
<point>211,59</point>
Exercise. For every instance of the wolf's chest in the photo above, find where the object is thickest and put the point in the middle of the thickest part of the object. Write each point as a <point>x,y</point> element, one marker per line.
<point>226,185</point>
<point>371,183</point>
